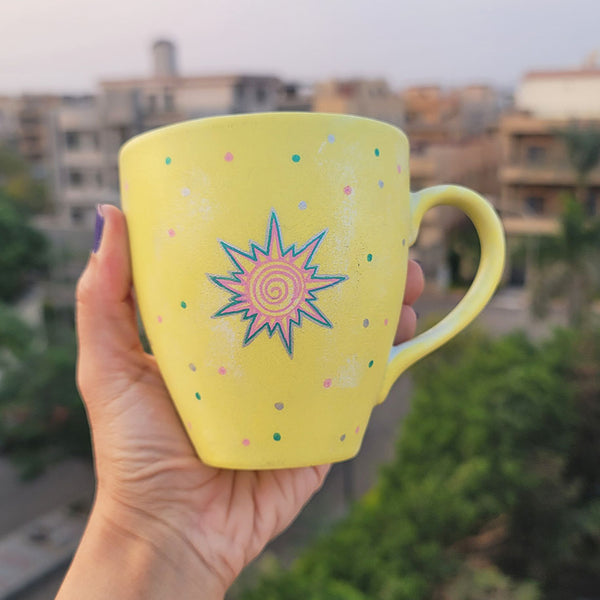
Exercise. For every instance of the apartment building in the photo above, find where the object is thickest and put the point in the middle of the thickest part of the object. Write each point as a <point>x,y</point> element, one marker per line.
<point>535,172</point>
<point>366,98</point>
<point>9,120</point>
<point>453,138</point>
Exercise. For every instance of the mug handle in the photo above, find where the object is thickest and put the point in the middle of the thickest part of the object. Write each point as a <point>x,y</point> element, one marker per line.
<point>491,264</point>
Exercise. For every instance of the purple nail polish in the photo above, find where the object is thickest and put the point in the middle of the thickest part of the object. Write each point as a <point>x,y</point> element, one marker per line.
<point>98,229</point>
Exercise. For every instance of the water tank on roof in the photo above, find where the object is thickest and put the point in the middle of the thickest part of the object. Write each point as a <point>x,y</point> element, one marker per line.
<point>165,64</point>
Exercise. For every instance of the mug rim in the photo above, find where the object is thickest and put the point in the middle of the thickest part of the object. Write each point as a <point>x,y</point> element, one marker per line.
<point>270,115</point>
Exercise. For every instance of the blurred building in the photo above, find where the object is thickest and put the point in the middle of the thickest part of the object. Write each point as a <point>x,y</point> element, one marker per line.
<point>73,142</point>
<point>454,139</point>
<point>9,120</point>
<point>24,127</point>
<point>366,98</point>
<point>536,171</point>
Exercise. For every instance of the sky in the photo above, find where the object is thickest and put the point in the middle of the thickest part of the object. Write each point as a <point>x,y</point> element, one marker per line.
<point>68,46</point>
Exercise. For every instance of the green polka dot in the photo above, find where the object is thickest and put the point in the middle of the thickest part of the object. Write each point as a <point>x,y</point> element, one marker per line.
<point>369,257</point>
<point>276,436</point>
<point>370,364</point>
<point>168,160</point>
<point>197,395</point>
<point>296,158</point>
<point>377,152</point>
<point>183,304</point>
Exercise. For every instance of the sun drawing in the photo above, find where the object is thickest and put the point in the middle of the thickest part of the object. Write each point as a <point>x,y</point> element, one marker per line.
<point>274,287</point>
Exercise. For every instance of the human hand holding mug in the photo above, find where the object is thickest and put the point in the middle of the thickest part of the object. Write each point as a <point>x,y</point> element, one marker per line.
<point>164,524</point>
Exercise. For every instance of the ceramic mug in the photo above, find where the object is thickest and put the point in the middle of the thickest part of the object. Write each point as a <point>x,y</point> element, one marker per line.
<point>269,256</point>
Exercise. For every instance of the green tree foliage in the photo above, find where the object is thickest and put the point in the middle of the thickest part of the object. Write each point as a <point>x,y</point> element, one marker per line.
<point>15,336</point>
<point>569,265</point>
<point>582,143</point>
<point>23,251</point>
<point>493,465</point>
<point>18,185</point>
<point>41,414</point>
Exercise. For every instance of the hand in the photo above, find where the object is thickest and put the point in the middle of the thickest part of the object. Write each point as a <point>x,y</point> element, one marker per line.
<point>165,519</point>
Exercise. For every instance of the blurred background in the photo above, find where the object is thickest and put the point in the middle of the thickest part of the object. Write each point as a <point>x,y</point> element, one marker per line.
<point>479,478</point>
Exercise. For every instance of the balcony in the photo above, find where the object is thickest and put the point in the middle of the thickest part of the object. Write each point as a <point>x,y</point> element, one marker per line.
<point>83,158</point>
<point>530,225</point>
<point>549,174</point>
<point>422,166</point>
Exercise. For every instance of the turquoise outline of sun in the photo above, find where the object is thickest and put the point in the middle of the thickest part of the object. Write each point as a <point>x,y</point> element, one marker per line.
<point>274,287</point>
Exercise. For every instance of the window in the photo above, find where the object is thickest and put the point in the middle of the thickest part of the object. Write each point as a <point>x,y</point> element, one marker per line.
<point>261,94</point>
<point>534,205</point>
<point>169,103</point>
<point>591,204</point>
<point>77,215</point>
<point>72,140</point>
<point>151,104</point>
<point>99,178</point>
<point>75,178</point>
<point>536,155</point>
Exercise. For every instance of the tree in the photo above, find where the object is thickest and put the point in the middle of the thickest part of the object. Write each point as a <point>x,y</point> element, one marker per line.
<point>583,150</point>
<point>41,415</point>
<point>23,252</point>
<point>18,185</point>
<point>42,418</point>
<point>569,265</point>
<point>491,473</point>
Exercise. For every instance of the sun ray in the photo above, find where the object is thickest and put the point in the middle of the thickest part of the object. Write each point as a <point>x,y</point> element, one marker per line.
<point>312,312</point>
<point>258,322</point>
<point>244,262</point>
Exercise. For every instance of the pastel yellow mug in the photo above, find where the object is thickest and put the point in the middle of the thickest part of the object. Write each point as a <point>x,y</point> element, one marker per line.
<point>269,257</point>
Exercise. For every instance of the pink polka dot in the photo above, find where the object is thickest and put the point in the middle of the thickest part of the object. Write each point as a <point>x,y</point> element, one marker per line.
<point>228,157</point>
<point>357,429</point>
<point>222,370</point>
<point>246,442</point>
<point>385,322</point>
<point>189,425</point>
<point>171,233</point>
<point>347,190</point>
<point>399,168</point>
<point>159,319</point>
<point>126,186</point>
<point>327,383</point>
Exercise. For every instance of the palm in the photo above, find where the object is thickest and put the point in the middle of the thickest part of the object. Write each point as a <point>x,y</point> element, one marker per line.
<point>159,470</point>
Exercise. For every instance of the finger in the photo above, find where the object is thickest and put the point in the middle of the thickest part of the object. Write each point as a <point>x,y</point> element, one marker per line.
<point>407,324</point>
<point>106,319</point>
<point>415,282</point>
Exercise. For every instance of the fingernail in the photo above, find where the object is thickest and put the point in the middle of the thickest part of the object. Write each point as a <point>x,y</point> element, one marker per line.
<point>99,228</point>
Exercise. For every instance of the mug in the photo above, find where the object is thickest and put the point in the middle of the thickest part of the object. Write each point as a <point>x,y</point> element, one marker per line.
<point>269,255</point>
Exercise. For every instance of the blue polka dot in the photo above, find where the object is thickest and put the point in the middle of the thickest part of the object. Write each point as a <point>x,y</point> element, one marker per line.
<point>296,158</point>
<point>331,138</point>
<point>377,152</point>
<point>168,160</point>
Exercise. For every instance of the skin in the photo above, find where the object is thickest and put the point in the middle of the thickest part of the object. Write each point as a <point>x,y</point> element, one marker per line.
<point>164,525</point>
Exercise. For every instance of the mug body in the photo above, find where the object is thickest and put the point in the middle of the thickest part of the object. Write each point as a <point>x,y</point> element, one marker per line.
<point>269,256</point>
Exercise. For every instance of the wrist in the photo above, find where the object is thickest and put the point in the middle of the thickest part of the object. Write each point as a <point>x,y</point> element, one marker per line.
<point>126,556</point>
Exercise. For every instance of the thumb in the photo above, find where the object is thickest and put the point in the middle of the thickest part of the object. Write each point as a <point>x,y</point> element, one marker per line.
<point>107,330</point>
